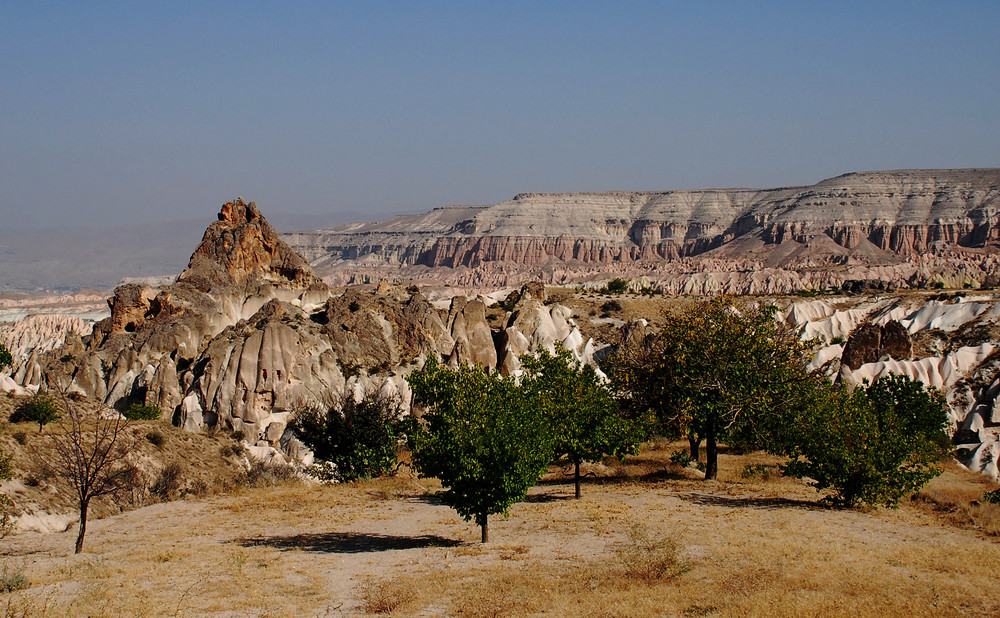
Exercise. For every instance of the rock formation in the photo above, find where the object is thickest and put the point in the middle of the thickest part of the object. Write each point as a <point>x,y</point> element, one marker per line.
<point>901,228</point>
<point>247,335</point>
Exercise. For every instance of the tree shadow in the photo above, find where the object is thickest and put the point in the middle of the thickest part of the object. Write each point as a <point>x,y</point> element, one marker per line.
<point>348,542</point>
<point>546,497</point>
<point>752,502</point>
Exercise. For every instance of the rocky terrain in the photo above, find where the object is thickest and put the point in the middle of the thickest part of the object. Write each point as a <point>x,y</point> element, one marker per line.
<point>907,228</point>
<point>248,334</point>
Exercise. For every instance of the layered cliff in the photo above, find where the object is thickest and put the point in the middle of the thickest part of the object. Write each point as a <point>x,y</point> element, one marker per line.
<point>861,219</point>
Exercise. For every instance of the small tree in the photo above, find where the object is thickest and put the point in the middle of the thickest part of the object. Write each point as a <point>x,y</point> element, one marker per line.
<point>41,408</point>
<point>586,421</point>
<point>360,437</point>
<point>873,445</point>
<point>482,438</point>
<point>6,504</point>
<point>142,412</point>
<point>5,358</point>
<point>94,455</point>
<point>723,369</point>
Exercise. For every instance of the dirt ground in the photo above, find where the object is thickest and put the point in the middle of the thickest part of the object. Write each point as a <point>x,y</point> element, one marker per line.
<point>729,547</point>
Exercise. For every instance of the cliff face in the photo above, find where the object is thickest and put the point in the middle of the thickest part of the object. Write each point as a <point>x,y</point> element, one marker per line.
<point>871,219</point>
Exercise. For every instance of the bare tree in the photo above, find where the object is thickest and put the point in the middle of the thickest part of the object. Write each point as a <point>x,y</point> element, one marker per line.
<point>94,454</point>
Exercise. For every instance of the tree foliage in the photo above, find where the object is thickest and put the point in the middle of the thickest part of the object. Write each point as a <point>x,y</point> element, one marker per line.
<point>142,412</point>
<point>5,358</point>
<point>485,441</point>
<point>584,417</point>
<point>724,369</point>
<point>359,437</point>
<point>872,445</point>
<point>41,408</point>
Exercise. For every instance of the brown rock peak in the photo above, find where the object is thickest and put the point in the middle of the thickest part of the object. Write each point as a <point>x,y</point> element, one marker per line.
<point>242,248</point>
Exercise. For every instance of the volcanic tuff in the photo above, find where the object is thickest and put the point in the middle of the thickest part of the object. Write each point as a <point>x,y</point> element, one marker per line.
<point>247,334</point>
<point>905,227</point>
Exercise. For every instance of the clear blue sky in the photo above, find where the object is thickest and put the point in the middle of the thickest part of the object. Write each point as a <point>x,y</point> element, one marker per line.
<point>122,112</point>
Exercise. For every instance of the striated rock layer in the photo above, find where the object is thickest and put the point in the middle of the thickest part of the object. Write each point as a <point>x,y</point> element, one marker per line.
<point>915,226</point>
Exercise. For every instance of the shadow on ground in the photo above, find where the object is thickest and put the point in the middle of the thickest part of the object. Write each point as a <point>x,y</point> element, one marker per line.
<point>348,542</point>
<point>750,502</point>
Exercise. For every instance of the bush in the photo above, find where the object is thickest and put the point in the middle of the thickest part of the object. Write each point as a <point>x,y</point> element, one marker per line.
<point>651,558</point>
<point>993,497</point>
<point>873,445</point>
<point>616,286</point>
<point>12,581</point>
<point>359,437</point>
<point>156,438</point>
<point>40,408</point>
<point>141,412</point>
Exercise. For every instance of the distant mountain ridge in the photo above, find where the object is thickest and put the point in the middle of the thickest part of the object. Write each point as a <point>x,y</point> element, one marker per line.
<point>872,219</point>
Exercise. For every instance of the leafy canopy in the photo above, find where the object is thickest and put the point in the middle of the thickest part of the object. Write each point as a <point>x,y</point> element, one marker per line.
<point>725,369</point>
<point>585,418</point>
<point>41,408</point>
<point>485,441</point>
<point>360,437</point>
<point>873,445</point>
<point>5,357</point>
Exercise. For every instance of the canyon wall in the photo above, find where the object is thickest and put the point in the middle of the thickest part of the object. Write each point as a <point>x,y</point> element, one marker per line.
<point>915,224</point>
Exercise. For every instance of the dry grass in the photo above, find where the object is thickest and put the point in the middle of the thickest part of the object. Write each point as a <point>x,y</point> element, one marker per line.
<point>957,497</point>
<point>755,547</point>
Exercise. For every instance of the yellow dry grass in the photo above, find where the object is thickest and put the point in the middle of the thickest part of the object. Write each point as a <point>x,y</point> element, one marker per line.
<point>735,547</point>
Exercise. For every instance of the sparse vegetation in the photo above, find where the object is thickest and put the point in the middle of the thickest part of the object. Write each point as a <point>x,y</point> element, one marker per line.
<point>12,580</point>
<point>41,408</point>
<point>5,358</point>
<point>649,557</point>
<point>94,455</point>
<point>142,412</point>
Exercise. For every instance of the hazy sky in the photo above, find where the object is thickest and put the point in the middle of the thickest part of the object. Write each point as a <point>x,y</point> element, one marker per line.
<point>129,112</point>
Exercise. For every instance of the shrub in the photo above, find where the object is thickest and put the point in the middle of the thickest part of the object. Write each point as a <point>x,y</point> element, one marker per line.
<point>616,286</point>
<point>755,471</point>
<point>40,408</point>
<point>12,581</point>
<point>610,306</point>
<point>650,557</point>
<point>266,473</point>
<point>360,437</point>
<point>141,412</point>
<point>873,445</point>
<point>993,497</point>
<point>168,483</point>
<point>156,438</point>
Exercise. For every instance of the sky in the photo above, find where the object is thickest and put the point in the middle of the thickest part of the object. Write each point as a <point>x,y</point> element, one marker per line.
<point>118,113</point>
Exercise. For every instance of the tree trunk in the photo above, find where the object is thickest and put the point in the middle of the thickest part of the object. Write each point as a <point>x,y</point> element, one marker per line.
<point>694,442</point>
<point>83,526</point>
<point>711,449</point>
<point>486,528</point>
<point>576,478</point>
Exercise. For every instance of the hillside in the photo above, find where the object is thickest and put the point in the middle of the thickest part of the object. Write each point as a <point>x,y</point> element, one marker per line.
<point>900,221</point>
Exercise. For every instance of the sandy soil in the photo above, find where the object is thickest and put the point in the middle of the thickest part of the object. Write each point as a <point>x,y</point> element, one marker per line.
<point>749,548</point>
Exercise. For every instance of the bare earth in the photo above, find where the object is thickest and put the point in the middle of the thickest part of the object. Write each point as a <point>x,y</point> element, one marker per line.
<point>748,548</point>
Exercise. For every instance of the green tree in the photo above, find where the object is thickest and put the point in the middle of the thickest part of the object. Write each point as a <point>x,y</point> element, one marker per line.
<point>5,358</point>
<point>142,412</point>
<point>723,369</point>
<point>41,408</point>
<point>585,418</point>
<point>485,441</point>
<point>360,437</point>
<point>871,445</point>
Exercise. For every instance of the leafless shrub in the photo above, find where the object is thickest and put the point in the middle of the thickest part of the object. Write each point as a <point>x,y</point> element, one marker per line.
<point>385,597</point>
<point>650,557</point>
<point>94,454</point>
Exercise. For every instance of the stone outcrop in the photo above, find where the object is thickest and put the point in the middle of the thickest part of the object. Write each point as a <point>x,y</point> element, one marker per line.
<point>903,228</point>
<point>248,335</point>
<point>871,342</point>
